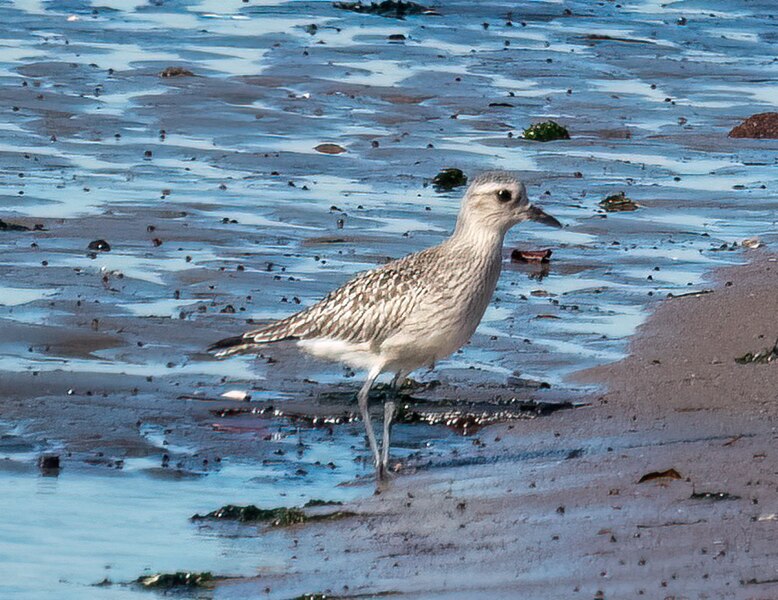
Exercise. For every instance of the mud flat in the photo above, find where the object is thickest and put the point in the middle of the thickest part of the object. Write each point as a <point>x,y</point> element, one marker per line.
<point>665,487</point>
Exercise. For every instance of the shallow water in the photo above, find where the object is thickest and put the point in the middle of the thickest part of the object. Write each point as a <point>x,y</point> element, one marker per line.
<point>81,528</point>
<point>648,112</point>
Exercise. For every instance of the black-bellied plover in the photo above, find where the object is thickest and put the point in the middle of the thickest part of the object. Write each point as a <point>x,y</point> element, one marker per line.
<point>413,311</point>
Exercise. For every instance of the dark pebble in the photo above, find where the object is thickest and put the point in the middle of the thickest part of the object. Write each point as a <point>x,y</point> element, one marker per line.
<point>100,245</point>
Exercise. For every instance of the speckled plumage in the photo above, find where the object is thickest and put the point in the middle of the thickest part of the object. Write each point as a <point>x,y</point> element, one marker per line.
<point>415,310</point>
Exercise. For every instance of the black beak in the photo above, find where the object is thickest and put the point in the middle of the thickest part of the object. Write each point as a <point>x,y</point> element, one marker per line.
<point>537,214</point>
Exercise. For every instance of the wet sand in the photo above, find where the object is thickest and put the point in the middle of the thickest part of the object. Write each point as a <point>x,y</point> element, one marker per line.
<point>555,508</point>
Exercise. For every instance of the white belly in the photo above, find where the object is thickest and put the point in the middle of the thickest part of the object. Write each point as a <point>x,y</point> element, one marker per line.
<point>355,355</point>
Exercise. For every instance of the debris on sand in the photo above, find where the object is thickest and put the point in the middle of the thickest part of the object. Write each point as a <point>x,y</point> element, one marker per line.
<point>752,243</point>
<point>330,149</point>
<point>176,72</point>
<point>618,203</point>
<point>239,395</point>
<point>531,256</point>
<point>598,37</point>
<point>760,126</point>
<point>448,179</point>
<point>181,579</point>
<point>760,358</point>
<point>388,8</point>
<point>546,132</point>
<point>12,227</point>
<point>467,422</point>
<point>725,247</point>
<point>100,245</point>
<point>276,517</point>
<point>714,496</point>
<point>653,475</point>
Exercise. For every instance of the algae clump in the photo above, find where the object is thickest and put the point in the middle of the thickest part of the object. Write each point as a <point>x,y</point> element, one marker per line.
<point>448,179</point>
<point>277,517</point>
<point>174,580</point>
<point>618,203</point>
<point>388,8</point>
<point>546,132</point>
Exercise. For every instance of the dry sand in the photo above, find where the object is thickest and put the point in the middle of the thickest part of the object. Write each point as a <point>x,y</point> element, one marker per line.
<point>553,508</point>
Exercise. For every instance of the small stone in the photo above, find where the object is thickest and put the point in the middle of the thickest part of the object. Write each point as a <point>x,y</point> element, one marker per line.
<point>99,245</point>
<point>49,462</point>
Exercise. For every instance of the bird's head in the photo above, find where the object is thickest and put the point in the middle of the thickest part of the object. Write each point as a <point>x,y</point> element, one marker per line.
<point>496,201</point>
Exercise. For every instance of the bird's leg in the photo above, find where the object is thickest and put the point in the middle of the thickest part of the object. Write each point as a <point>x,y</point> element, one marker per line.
<point>389,412</point>
<point>362,400</point>
<point>397,382</point>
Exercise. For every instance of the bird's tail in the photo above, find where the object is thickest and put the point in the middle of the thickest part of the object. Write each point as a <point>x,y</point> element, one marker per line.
<point>232,345</point>
<point>279,331</point>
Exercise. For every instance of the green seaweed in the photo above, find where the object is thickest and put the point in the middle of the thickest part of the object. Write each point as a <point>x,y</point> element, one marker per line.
<point>318,502</point>
<point>174,580</point>
<point>618,203</point>
<point>546,132</point>
<point>448,179</point>
<point>276,517</point>
<point>388,8</point>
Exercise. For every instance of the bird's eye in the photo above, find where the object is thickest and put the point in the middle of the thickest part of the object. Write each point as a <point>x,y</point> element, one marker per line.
<point>504,195</point>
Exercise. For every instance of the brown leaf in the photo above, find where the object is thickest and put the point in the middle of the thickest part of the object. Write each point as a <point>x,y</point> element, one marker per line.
<point>329,149</point>
<point>668,474</point>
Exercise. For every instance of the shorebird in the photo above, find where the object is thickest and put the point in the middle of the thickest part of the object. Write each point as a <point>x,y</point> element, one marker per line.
<point>411,312</point>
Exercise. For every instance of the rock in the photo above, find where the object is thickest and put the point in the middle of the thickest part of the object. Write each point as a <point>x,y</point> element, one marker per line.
<point>618,203</point>
<point>448,179</point>
<point>330,149</point>
<point>759,126</point>
<point>100,245</point>
<point>49,463</point>
<point>546,132</point>
<point>176,72</point>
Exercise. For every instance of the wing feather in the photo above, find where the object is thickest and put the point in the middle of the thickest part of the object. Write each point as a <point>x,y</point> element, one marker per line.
<point>368,308</point>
